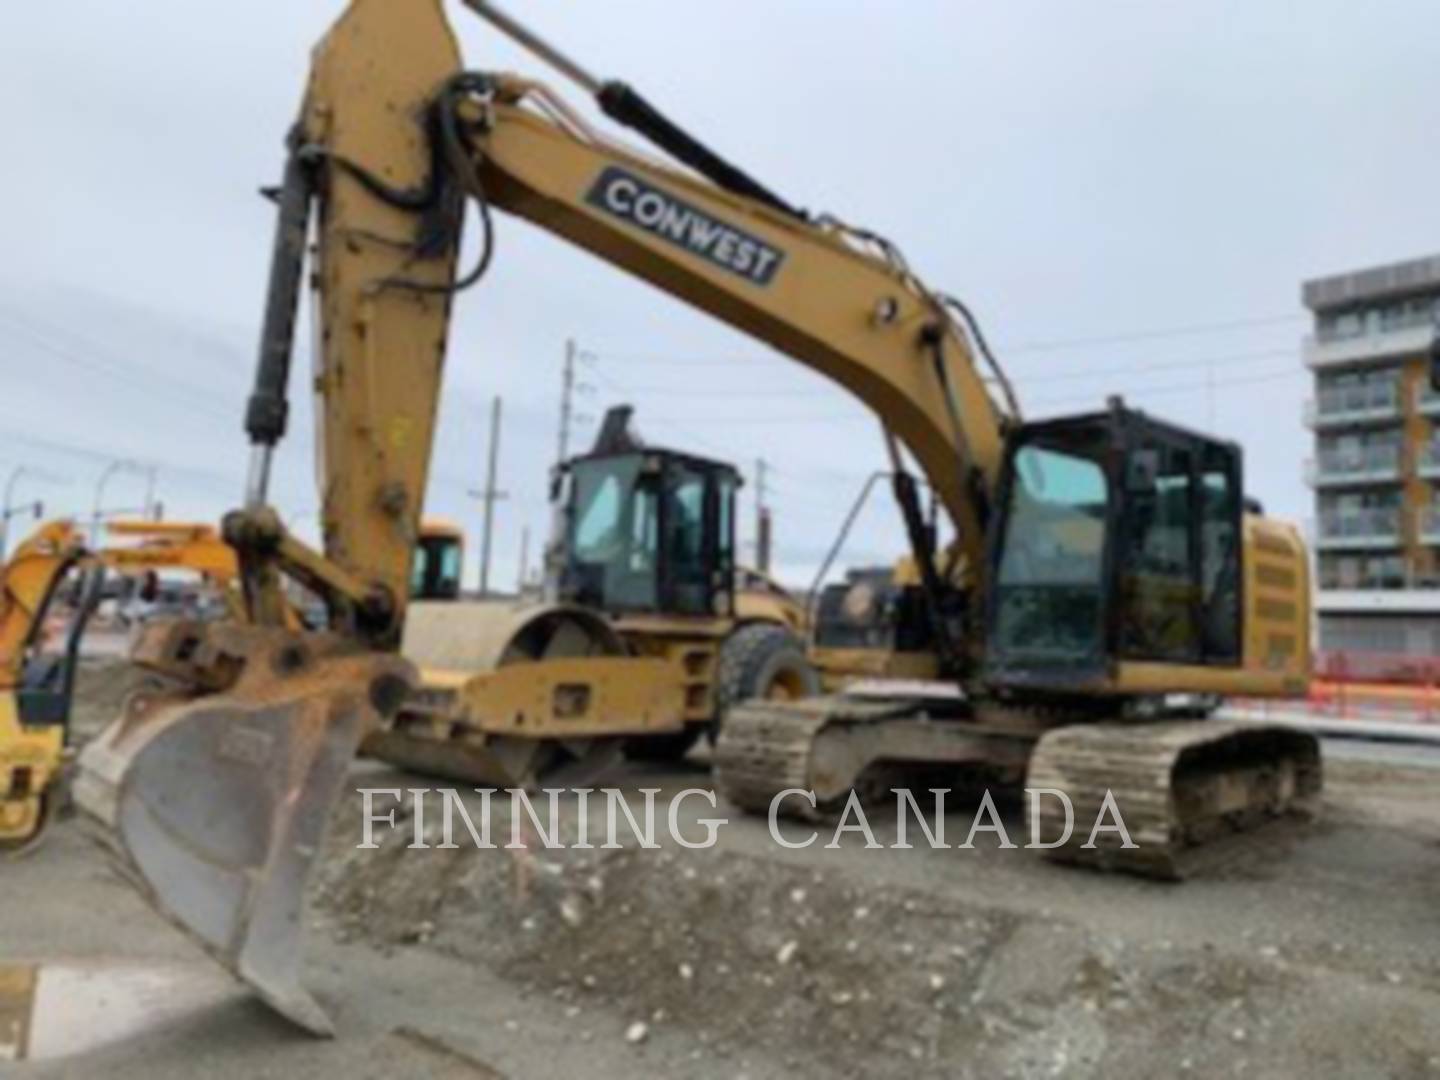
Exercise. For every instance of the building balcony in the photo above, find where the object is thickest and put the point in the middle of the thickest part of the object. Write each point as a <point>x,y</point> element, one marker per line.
<point>1363,348</point>
<point>1371,596</point>
<point>1379,466</point>
<point>1427,461</point>
<point>1427,401</point>
<point>1355,405</point>
<point>1355,529</point>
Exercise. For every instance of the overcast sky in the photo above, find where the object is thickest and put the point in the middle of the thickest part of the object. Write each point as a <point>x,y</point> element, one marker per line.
<point>1127,194</point>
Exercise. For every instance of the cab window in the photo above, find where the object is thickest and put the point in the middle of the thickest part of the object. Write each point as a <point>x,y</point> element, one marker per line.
<point>1180,556</point>
<point>613,551</point>
<point>435,569</point>
<point>1158,588</point>
<point>687,560</point>
<point>1050,579</point>
<point>1220,550</point>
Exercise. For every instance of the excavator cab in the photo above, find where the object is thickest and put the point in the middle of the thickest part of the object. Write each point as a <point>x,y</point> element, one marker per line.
<point>1119,540</point>
<point>647,531</point>
<point>437,561</point>
<point>37,680</point>
<point>47,687</point>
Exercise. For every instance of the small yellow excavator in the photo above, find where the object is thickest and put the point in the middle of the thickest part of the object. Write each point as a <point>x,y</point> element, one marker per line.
<point>36,682</point>
<point>1100,583</point>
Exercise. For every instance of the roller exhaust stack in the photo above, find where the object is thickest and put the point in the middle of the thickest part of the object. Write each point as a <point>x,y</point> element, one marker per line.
<point>215,807</point>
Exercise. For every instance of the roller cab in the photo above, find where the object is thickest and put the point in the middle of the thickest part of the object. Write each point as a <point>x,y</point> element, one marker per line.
<point>622,652</point>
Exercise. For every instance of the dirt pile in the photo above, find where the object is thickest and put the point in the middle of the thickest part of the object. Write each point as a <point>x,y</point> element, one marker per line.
<point>823,970</point>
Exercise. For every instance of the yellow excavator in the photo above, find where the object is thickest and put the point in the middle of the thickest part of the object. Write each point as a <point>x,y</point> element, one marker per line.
<point>37,682</point>
<point>1101,582</point>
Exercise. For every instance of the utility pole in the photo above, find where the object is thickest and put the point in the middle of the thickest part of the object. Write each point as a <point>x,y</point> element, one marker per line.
<point>567,401</point>
<point>570,386</point>
<point>524,560</point>
<point>1209,396</point>
<point>151,507</point>
<point>762,519</point>
<point>488,496</point>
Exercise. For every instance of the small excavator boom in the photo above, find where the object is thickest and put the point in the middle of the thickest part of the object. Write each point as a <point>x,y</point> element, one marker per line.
<point>36,686</point>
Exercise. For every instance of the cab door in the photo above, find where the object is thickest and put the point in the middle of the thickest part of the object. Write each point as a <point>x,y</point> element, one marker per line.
<point>1177,569</point>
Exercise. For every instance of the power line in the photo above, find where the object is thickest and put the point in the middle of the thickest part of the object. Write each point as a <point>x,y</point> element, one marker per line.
<point>838,417</point>
<point>1189,330</point>
<point>1141,367</point>
<point>1044,345</point>
<point>724,453</point>
<point>1179,388</point>
<point>191,396</point>
<point>94,454</point>
<point>1145,367</point>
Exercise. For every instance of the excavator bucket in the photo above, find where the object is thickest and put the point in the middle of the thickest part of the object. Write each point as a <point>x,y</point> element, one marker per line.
<point>213,799</point>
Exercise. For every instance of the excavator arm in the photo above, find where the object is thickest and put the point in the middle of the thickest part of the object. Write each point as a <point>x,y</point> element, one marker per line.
<point>807,289</point>
<point>393,137</point>
<point>393,140</point>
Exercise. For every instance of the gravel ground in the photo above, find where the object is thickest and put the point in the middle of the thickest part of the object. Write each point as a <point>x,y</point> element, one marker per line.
<point>1310,949</point>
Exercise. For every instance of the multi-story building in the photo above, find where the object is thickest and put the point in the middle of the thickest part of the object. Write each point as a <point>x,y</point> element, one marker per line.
<point>1376,469</point>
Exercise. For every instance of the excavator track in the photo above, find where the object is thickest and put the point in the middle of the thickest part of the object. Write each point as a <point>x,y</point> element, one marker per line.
<point>1179,786</point>
<point>831,745</point>
<point>766,747</point>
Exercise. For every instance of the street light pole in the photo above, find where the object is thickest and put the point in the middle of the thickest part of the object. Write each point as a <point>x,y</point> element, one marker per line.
<point>8,509</point>
<point>15,475</point>
<point>97,516</point>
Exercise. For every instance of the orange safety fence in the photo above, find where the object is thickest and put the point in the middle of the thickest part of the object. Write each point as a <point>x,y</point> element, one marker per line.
<point>1377,685</point>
